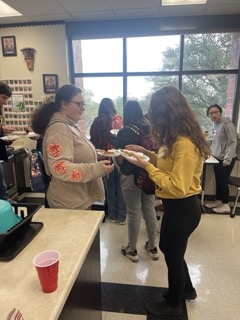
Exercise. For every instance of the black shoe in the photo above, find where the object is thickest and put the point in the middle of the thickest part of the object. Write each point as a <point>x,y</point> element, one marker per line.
<point>162,309</point>
<point>186,295</point>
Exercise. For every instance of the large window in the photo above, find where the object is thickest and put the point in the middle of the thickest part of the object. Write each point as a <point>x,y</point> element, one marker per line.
<point>141,88</point>
<point>203,66</point>
<point>92,56</point>
<point>210,51</point>
<point>204,90</point>
<point>95,89</point>
<point>148,53</point>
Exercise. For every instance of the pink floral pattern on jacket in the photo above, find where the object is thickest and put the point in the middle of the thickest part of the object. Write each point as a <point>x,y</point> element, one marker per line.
<point>76,175</point>
<point>55,149</point>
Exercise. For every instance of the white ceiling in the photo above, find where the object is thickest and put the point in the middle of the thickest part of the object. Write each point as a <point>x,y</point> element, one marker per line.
<point>85,10</point>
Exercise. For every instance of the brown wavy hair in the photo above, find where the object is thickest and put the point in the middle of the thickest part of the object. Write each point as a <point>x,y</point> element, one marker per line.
<point>171,116</point>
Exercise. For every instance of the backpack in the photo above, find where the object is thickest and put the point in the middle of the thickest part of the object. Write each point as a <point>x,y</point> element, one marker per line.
<point>141,176</point>
<point>100,131</point>
<point>39,180</point>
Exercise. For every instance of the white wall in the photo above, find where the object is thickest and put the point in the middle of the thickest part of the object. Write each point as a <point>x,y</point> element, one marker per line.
<point>50,56</point>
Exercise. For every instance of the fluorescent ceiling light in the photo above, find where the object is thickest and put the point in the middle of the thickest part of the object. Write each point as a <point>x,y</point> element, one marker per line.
<point>6,11</point>
<point>182,2</point>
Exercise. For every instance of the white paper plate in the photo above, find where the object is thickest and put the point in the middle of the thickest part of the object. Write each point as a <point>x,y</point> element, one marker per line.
<point>19,133</point>
<point>114,131</point>
<point>132,158</point>
<point>32,135</point>
<point>10,137</point>
<point>104,154</point>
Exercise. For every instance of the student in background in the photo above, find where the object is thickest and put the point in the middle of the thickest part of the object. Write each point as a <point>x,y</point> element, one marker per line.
<point>139,204</point>
<point>102,138</point>
<point>176,170</point>
<point>5,94</point>
<point>223,144</point>
<point>69,158</point>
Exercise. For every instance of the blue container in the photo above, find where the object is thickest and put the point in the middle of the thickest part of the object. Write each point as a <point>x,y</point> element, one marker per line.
<point>8,218</point>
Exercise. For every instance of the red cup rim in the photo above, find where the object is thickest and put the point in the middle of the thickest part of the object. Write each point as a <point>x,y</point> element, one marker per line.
<point>55,251</point>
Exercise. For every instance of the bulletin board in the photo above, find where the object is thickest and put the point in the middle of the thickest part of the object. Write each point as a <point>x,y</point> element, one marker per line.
<point>20,106</point>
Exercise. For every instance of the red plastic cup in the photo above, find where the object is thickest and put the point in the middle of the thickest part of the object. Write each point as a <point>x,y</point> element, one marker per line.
<point>46,264</point>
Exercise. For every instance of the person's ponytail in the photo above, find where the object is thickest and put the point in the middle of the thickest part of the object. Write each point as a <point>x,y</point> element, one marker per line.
<point>42,116</point>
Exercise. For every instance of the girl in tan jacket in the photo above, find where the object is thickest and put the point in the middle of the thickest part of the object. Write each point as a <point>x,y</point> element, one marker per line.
<point>69,158</point>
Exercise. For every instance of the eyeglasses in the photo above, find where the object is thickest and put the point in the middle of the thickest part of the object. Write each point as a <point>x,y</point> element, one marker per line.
<point>80,104</point>
<point>213,113</point>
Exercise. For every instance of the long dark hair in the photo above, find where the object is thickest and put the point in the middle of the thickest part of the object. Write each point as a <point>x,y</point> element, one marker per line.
<point>42,116</point>
<point>5,89</point>
<point>133,114</point>
<point>106,107</point>
<point>171,116</point>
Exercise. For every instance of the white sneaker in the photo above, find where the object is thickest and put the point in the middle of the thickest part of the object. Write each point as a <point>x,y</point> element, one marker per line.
<point>153,252</point>
<point>225,208</point>
<point>214,204</point>
<point>132,255</point>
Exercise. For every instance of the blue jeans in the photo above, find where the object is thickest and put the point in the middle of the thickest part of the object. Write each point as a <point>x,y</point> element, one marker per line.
<point>116,205</point>
<point>3,186</point>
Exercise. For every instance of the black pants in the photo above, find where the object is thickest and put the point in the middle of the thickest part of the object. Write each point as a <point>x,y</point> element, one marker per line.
<point>222,173</point>
<point>180,219</point>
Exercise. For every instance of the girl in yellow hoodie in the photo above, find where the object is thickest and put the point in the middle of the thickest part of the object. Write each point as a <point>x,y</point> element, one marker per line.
<point>176,170</point>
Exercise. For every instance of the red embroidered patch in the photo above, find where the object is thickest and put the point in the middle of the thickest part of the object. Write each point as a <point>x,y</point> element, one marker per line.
<point>55,149</point>
<point>60,167</point>
<point>76,175</point>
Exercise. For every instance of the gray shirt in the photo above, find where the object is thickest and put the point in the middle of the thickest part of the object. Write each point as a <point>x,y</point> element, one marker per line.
<point>224,140</point>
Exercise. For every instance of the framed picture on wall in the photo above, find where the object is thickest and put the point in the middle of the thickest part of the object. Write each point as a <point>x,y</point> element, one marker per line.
<point>9,46</point>
<point>50,83</point>
<point>18,104</point>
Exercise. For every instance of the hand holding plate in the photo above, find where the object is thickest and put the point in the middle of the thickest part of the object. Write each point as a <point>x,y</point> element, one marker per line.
<point>137,158</point>
<point>138,161</point>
